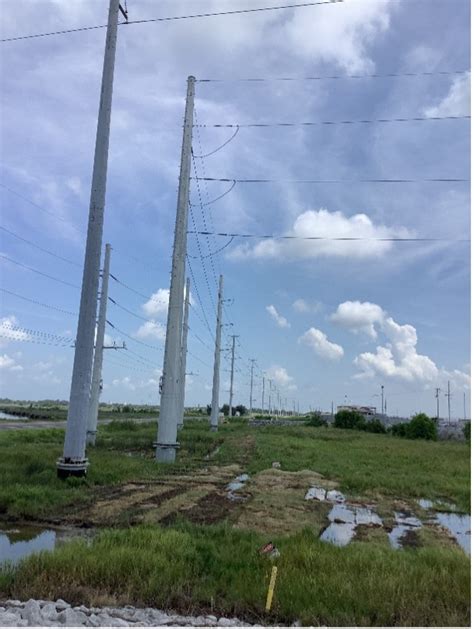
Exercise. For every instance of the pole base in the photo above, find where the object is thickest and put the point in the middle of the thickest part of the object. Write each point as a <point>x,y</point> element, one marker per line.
<point>166,452</point>
<point>66,467</point>
<point>213,428</point>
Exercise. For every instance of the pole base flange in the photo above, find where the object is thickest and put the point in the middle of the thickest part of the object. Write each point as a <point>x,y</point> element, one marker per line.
<point>71,467</point>
<point>165,452</point>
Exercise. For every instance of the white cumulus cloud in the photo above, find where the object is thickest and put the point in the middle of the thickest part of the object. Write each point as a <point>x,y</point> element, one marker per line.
<point>321,345</point>
<point>9,364</point>
<point>325,225</point>
<point>457,102</point>
<point>278,318</point>
<point>157,304</point>
<point>359,316</point>
<point>280,376</point>
<point>304,306</point>
<point>151,329</point>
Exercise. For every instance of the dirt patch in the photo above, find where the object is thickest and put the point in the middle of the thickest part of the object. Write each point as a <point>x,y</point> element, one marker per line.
<point>210,509</point>
<point>411,539</point>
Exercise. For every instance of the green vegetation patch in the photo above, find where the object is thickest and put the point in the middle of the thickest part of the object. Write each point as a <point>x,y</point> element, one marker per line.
<point>194,568</point>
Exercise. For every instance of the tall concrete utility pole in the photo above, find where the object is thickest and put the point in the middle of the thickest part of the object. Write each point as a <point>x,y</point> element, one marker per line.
<point>263,395</point>
<point>74,461</point>
<point>382,387</point>
<point>448,395</point>
<point>437,390</point>
<point>232,359</point>
<point>99,352</point>
<point>166,444</point>
<point>252,365</point>
<point>217,359</point>
<point>184,351</point>
<point>270,396</point>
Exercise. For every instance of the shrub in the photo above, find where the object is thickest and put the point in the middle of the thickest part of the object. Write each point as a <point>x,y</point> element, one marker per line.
<point>422,427</point>
<point>349,419</point>
<point>375,425</point>
<point>467,431</point>
<point>316,420</point>
<point>399,430</point>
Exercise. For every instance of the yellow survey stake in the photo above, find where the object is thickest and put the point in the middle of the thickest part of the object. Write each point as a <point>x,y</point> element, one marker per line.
<point>271,587</point>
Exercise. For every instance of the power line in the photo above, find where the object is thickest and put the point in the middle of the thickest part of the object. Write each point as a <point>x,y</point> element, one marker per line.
<point>38,303</point>
<point>316,123</point>
<point>39,207</point>
<point>193,278</point>
<point>342,238</point>
<point>387,75</point>
<point>131,338</point>
<point>56,279</point>
<point>133,290</point>
<point>33,244</point>
<point>33,340</point>
<point>5,326</point>
<point>174,17</point>
<point>130,312</point>
<point>338,181</point>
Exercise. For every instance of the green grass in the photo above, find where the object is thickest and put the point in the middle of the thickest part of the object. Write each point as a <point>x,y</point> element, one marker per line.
<point>194,569</point>
<point>364,464</point>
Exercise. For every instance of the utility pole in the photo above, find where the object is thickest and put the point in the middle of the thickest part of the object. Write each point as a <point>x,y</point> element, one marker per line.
<point>166,444</point>
<point>448,395</point>
<point>217,359</point>
<point>252,365</point>
<point>464,404</point>
<point>184,351</point>
<point>437,390</point>
<point>270,396</point>
<point>382,387</point>
<point>263,395</point>
<point>231,391</point>
<point>74,461</point>
<point>96,385</point>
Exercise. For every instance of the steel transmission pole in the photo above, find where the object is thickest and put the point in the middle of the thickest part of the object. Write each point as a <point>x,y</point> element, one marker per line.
<point>74,461</point>
<point>231,391</point>
<point>98,353</point>
<point>184,351</point>
<point>166,444</point>
<point>217,359</point>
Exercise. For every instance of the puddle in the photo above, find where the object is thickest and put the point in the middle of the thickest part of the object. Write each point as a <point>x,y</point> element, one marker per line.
<point>10,416</point>
<point>236,485</point>
<point>321,494</point>
<point>459,526</point>
<point>344,520</point>
<point>404,525</point>
<point>18,542</point>
<point>425,504</point>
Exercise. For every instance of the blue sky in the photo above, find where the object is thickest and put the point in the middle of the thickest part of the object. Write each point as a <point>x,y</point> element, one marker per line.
<point>327,321</point>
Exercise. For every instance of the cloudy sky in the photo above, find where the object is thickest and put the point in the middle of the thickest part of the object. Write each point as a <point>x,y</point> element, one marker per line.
<point>327,321</point>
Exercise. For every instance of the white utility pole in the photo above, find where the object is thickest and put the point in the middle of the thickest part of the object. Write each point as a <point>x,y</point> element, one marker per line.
<point>382,387</point>
<point>437,390</point>
<point>184,351</point>
<point>96,387</point>
<point>231,390</point>
<point>263,395</point>
<point>448,395</point>
<point>74,461</point>
<point>217,359</point>
<point>252,365</point>
<point>166,444</point>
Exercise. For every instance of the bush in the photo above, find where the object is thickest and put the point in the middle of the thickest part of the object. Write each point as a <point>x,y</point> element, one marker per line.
<point>375,425</point>
<point>349,419</point>
<point>467,431</point>
<point>316,420</point>
<point>419,427</point>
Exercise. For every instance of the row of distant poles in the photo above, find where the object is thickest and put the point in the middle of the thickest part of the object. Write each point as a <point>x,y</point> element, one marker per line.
<point>81,425</point>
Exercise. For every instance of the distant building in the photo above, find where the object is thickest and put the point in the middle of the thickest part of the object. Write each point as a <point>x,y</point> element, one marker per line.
<point>366,411</point>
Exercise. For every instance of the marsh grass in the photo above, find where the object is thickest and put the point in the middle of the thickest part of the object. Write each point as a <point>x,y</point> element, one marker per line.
<point>194,569</point>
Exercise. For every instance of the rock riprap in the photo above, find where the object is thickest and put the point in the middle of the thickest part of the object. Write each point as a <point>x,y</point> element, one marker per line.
<point>35,613</point>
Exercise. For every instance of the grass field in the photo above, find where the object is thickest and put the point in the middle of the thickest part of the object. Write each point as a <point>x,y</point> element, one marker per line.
<point>178,542</point>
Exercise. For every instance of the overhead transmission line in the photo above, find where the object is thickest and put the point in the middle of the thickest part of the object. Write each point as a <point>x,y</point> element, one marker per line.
<point>387,75</point>
<point>175,17</point>
<point>341,238</point>
<point>29,268</point>
<point>33,244</point>
<point>38,303</point>
<point>316,123</point>
<point>340,181</point>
